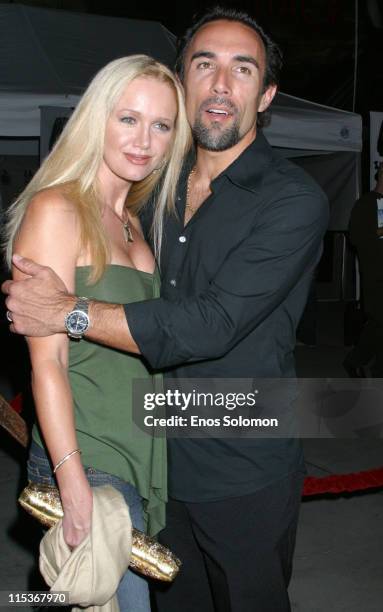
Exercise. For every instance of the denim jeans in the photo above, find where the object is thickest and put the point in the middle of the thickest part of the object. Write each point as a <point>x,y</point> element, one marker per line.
<point>133,591</point>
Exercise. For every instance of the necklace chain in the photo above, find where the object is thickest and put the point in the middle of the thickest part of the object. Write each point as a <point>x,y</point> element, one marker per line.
<point>126,227</point>
<point>128,234</point>
<point>192,209</point>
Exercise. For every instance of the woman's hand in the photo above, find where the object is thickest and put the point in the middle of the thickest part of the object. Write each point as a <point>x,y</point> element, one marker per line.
<point>77,505</point>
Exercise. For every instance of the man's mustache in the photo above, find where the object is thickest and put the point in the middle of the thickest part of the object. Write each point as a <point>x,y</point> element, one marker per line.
<point>221,102</point>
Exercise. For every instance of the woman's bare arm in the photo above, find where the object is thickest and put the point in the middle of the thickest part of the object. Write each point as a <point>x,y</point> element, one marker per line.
<point>49,234</point>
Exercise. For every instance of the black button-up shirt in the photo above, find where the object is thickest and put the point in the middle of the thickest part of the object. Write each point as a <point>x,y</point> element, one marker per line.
<point>234,284</point>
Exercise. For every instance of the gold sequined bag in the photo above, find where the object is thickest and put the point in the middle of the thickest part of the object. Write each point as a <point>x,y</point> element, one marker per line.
<point>148,556</point>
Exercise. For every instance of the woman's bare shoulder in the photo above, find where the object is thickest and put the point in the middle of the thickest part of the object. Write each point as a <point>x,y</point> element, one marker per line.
<point>52,209</point>
<point>56,199</point>
<point>50,225</point>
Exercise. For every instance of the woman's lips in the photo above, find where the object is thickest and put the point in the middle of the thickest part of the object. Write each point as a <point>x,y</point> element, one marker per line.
<point>138,160</point>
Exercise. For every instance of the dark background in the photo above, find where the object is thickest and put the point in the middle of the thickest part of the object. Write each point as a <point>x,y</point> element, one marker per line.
<point>317,37</point>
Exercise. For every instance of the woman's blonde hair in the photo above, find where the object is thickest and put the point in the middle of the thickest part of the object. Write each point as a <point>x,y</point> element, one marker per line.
<point>77,155</point>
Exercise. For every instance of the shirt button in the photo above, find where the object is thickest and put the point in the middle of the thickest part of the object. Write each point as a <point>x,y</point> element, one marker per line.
<point>178,198</point>
<point>173,282</point>
<point>182,238</point>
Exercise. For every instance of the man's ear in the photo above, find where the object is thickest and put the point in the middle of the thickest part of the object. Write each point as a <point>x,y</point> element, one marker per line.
<point>267,98</point>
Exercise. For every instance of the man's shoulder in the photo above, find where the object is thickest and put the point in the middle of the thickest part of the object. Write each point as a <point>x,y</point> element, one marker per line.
<point>288,189</point>
<point>288,176</point>
<point>260,169</point>
<point>286,196</point>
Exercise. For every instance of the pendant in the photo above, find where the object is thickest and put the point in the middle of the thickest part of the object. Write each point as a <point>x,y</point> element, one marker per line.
<point>127,232</point>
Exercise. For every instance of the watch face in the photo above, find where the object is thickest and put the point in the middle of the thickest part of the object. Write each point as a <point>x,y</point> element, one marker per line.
<point>77,322</point>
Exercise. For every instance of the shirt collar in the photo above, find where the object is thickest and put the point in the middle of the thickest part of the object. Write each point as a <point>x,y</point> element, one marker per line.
<point>248,169</point>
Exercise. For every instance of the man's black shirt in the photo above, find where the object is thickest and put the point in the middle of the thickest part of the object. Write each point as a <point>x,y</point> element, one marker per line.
<point>234,284</point>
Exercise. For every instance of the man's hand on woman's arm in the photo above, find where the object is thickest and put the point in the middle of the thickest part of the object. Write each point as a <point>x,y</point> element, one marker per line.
<point>40,303</point>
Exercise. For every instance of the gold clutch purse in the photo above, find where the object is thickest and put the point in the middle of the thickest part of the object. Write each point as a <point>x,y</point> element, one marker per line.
<point>148,556</point>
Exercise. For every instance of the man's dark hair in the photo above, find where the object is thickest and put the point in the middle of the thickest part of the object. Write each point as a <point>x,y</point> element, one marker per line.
<point>273,52</point>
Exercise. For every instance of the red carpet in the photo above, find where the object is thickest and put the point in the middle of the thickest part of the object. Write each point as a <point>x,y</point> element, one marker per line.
<point>343,483</point>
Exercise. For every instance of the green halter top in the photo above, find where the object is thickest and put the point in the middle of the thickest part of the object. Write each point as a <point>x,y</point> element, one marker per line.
<point>101,382</point>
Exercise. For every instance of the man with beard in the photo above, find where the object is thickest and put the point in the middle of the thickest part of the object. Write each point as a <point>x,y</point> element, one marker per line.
<point>236,264</point>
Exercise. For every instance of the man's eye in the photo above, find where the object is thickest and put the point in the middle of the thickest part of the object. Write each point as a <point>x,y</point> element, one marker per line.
<point>244,70</point>
<point>128,119</point>
<point>204,65</point>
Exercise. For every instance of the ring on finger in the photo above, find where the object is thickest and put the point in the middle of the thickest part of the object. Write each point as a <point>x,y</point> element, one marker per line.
<point>9,316</point>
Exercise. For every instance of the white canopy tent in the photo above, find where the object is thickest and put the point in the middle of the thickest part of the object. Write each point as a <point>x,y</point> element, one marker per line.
<point>307,126</point>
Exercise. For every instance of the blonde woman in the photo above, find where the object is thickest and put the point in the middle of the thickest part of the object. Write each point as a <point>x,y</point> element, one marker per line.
<point>127,137</point>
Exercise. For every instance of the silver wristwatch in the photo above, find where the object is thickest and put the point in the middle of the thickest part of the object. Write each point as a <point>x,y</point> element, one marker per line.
<point>77,320</point>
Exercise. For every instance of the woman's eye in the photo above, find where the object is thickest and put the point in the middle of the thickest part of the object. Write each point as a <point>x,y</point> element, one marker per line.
<point>163,127</point>
<point>127,119</point>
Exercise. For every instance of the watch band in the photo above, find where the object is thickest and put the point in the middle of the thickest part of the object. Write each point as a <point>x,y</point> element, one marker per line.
<point>82,304</point>
<point>81,307</point>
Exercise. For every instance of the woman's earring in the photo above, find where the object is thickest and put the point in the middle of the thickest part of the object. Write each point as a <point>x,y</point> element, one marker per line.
<point>160,167</point>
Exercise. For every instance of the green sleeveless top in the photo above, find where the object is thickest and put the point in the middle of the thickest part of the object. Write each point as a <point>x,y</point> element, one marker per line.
<point>101,382</point>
